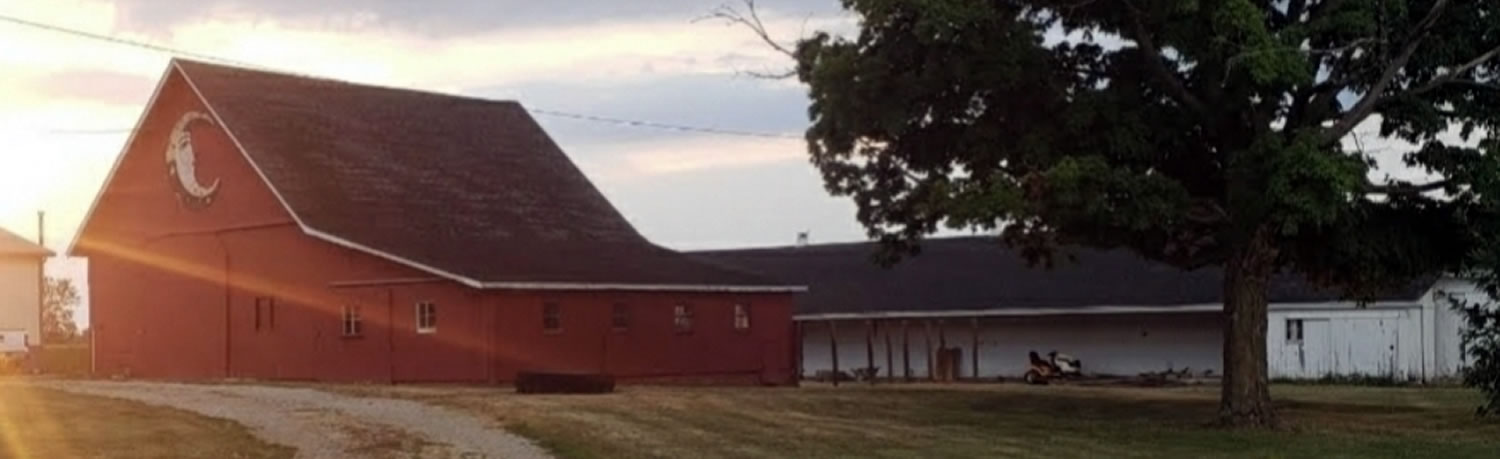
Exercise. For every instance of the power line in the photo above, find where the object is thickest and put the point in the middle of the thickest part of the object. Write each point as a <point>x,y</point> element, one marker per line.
<point>123,41</point>
<point>213,58</point>
<point>655,125</point>
<point>107,131</point>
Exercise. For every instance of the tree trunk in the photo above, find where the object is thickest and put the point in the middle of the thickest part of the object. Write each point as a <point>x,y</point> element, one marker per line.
<point>1246,397</point>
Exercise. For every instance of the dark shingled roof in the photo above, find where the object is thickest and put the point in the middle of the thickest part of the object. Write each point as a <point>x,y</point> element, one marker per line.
<point>977,273</point>
<point>13,245</point>
<point>469,188</point>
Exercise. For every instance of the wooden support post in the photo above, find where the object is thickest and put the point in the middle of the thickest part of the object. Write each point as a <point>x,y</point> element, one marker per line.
<point>905,351</point>
<point>927,336</point>
<point>870,348</point>
<point>890,364</point>
<point>974,351</point>
<point>801,334</point>
<point>943,349</point>
<point>833,346</point>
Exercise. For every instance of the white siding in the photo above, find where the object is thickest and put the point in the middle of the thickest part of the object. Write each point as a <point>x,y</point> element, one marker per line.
<point>1120,344</point>
<point>1448,324</point>
<point>20,296</point>
<point>1412,341</point>
<point>1347,341</point>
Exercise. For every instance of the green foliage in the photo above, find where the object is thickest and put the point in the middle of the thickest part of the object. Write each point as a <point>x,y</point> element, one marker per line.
<point>1179,129</point>
<point>58,300</point>
<point>1481,347</point>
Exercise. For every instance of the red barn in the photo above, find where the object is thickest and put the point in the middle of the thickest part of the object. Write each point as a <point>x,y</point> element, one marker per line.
<point>269,226</point>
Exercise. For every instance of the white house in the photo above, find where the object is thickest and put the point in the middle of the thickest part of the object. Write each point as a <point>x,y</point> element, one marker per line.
<point>979,309</point>
<point>20,292</point>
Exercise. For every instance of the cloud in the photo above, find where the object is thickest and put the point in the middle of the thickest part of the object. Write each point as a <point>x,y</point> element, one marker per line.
<point>649,159</point>
<point>105,87</point>
<point>1389,152</point>
<point>433,18</point>
<point>707,100</point>
<point>752,205</point>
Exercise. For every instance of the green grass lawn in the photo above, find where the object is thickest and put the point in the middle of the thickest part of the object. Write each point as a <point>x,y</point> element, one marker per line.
<point>904,421</point>
<point>41,423</point>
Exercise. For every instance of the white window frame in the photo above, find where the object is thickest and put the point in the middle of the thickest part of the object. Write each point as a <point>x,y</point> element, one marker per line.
<point>742,317</point>
<point>682,318</point>
<point>352,323</point>
<point>1298,325</point>
<point>552,314</point>
<point>619,317</point>
<point>426,317</point>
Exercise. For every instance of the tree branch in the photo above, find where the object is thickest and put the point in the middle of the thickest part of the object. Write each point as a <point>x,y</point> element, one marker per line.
<point>1294,10</point>
<point>1366,104</point>
<point>1175,88</point>
<point>1340,50</point>
<point>1406,188</point>
<point>1206,212</point>
<point>1451,77</point>
<point>751,20</point>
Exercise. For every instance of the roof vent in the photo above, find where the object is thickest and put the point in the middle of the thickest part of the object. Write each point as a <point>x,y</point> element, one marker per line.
<point>802,238</point>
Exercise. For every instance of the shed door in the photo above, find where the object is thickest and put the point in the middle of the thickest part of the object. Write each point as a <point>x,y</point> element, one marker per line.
<point>1365,346</point>
<point>1310,343</point>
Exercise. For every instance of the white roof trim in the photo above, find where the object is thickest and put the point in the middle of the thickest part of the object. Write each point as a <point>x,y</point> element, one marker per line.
<point>237,145</point>
<point>310,231</point>
<point>367,249</point>
<point>383,282</point>
<point>645,287</point>
<point>120,158</point>
<point>1086,310</point>
<point>281,199</point>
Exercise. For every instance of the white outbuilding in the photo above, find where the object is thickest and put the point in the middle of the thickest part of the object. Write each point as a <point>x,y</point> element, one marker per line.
<point>977,308</point>
<point>20,292</point>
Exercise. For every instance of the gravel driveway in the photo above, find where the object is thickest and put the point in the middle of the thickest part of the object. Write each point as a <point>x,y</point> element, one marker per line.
<point>326,425</point>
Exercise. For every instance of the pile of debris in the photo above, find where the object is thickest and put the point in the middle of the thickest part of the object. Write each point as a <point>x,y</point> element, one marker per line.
<point>1172,377</point>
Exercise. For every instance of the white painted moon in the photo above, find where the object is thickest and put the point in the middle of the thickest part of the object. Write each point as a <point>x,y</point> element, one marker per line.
<point>180,154</point>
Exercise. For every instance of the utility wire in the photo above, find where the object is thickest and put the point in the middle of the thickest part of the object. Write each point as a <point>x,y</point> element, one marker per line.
<point>655,125</point>
<point>122,41</point>
<point>238,63</point>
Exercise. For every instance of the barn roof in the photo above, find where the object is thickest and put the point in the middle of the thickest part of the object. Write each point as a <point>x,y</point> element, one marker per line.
<point>14,245</point>
<point>969,274</point>
<point>469,189</point>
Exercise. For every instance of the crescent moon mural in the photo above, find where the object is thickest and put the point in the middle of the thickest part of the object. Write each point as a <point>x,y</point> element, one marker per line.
<point>181,169</point>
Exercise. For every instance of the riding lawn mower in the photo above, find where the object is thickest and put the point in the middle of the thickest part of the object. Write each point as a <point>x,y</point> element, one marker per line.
<point>1055,366</point>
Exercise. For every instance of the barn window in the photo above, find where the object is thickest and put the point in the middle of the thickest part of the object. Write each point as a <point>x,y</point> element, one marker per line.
<point>352,324</point>
<point>265,313</point>
<point>551,317</point>
<point>1294,330</point>
<point>741,317</point>
<point>426,317</point>
<point>620,320</point>
<point>682,318</point>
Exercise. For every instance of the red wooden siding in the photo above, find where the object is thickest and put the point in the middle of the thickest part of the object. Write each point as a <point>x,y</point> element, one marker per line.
<point>174,294</point>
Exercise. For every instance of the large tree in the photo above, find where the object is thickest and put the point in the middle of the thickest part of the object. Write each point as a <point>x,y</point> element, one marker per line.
<point>1194,132</point>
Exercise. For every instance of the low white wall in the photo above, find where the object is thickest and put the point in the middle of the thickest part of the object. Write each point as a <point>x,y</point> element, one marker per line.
<point>1120,344</point>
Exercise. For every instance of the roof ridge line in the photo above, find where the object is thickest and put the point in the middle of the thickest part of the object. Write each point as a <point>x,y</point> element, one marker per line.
<point>335,80</point>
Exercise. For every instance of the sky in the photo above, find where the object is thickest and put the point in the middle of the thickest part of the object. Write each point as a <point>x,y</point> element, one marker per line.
<point>66,103</point>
